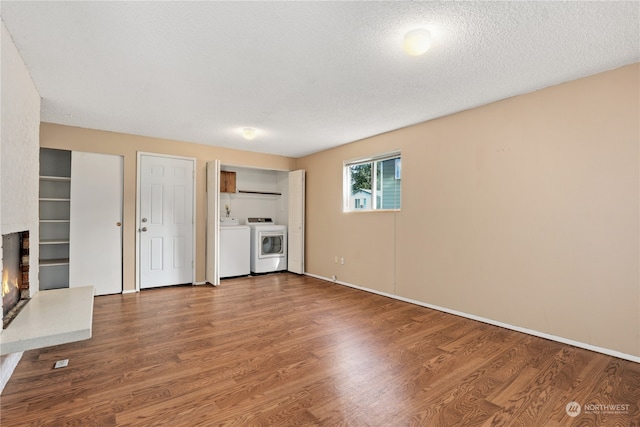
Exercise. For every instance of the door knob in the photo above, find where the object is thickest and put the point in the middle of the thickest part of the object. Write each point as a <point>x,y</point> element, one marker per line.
<point>143,229</point>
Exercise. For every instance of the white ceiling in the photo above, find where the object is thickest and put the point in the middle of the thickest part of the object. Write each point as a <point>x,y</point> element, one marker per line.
<point>307,75</point>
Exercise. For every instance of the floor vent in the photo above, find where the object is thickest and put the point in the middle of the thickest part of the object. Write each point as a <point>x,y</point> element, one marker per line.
<point>61,364</point>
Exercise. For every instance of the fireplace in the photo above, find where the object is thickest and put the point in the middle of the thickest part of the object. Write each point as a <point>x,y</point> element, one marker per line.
<point>15,274</point>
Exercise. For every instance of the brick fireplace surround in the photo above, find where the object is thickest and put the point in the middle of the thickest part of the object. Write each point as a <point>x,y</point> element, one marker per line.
<point>24,284</point>
<point>24,265</point>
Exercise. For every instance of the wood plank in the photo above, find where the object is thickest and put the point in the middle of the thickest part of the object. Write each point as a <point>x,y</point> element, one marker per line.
<point>282,349</point>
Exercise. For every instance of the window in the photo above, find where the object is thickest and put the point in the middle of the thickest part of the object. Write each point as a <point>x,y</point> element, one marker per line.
<point>373,184</point>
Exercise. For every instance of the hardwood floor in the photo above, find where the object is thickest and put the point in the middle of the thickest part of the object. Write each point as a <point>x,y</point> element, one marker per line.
<point>289,350</point>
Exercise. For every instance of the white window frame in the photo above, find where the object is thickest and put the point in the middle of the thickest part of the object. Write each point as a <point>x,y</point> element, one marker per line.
<point>346,181</point>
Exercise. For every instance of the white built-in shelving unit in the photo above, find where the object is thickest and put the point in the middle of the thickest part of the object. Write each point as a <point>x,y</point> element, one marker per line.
<point>55,199</point>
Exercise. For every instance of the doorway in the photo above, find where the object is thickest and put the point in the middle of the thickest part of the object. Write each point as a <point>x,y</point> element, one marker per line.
<point>258,193</point>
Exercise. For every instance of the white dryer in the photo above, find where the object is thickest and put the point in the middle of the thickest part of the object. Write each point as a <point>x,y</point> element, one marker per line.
<point>235,252</point>
<point>268,245</point>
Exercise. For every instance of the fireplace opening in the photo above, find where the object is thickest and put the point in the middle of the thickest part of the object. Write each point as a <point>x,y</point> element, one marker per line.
<point>15,274</point>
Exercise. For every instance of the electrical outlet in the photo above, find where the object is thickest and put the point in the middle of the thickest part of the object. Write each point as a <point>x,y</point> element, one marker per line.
<point>342,261</point>
<point>335,259</point>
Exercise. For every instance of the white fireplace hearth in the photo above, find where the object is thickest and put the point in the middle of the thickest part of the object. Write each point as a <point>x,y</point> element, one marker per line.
<point>52,317</point>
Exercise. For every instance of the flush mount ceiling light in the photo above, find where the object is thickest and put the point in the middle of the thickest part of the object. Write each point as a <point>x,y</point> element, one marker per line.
<point>248,133</point>
<point>417,42</point>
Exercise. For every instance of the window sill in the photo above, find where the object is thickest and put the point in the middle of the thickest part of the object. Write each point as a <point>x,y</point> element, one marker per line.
<point>372,211</point>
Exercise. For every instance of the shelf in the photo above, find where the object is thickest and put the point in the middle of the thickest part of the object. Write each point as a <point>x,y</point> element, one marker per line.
<point>51,317</point>
<point>54,242</point>
<point>54,218</point>
<point>56,178</point>
<point>53,262</point>
<point>264,193</point>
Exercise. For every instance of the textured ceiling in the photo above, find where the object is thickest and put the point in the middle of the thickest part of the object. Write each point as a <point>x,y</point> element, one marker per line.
<point>307,75</point>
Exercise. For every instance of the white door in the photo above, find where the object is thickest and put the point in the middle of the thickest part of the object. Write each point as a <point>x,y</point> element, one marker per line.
<point>166,224</point>
<point>95,233</point>
<point>213,222</point>
<point>295,245</point>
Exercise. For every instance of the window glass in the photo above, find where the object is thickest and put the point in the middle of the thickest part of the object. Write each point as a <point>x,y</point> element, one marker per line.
<point>373,184</point>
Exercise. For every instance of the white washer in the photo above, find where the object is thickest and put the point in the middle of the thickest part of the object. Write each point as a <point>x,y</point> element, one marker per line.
<point>268,245</point>
<point>235,252</point>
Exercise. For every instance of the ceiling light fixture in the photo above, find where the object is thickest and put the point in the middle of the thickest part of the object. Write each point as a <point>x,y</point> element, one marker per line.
<point>417,42</point>
<point>248,133</point>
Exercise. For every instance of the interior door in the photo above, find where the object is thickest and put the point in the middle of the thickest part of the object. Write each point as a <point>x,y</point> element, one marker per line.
<point>295,246</point>
<point>213,222</point>
<point>166,220</point>
<point>95,230</point>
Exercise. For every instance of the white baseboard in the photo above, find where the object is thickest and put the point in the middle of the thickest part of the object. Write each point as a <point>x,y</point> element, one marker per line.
<point>8,364</point>
<point>535,333</point>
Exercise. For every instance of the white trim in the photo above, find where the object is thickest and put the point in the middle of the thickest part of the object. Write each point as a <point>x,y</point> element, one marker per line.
<point>137,239</point>
<point>199,283</point>
<point>139,155</point>
<point>357,211</point>
<point>212,221</point>
<point>535,333</point>
<point>130,291</point>
<point>366,159</point>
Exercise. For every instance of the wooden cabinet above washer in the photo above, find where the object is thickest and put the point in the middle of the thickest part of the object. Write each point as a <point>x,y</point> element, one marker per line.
<point>227,182</point>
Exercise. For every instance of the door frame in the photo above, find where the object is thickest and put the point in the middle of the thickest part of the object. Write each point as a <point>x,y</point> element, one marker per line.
<point>213,216</point>
<point>139,155</point>
<point>212,229</point>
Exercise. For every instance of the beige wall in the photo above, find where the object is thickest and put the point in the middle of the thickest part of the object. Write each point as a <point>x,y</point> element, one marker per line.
<point>525,211</point>
<point>79,139</point>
